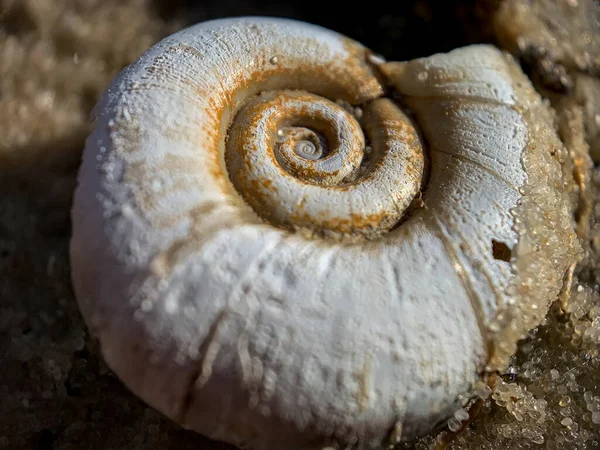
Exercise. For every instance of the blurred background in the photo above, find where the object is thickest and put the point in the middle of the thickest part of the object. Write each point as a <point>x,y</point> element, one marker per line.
<point>56,58</point>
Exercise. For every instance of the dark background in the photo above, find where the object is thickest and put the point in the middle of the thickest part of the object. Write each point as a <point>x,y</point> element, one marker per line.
<point>400,29</point>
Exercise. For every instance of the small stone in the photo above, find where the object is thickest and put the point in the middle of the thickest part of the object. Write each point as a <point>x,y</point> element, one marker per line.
<point>564,400</point>
<point>462,414</point>
<point>567,422</point>
<point>454,425</point>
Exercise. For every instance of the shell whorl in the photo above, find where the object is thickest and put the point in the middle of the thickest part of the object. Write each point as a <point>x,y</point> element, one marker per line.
<point>300,161</point>
<point>218,145</point>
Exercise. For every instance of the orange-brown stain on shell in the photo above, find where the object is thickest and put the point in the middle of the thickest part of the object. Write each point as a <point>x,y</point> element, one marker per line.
<point>354,224</point>
<point>352,80</point>
<point>384,123</point>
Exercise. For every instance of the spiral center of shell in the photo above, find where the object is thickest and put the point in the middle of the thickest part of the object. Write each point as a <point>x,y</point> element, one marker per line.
<point>301,161</point>
<point>306,143</point>
<point>308,150</point>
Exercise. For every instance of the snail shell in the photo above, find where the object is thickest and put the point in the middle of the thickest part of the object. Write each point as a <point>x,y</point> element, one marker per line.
<point>275,253</point>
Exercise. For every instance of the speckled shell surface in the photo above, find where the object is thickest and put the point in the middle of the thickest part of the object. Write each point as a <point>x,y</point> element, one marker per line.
<point>259,336</point>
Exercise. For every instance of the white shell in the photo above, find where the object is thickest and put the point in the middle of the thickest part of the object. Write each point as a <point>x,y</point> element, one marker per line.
<point>259,336</point>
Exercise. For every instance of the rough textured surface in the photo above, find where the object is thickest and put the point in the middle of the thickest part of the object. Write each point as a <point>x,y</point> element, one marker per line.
<point>335,194</point>
<point>55,391</point>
